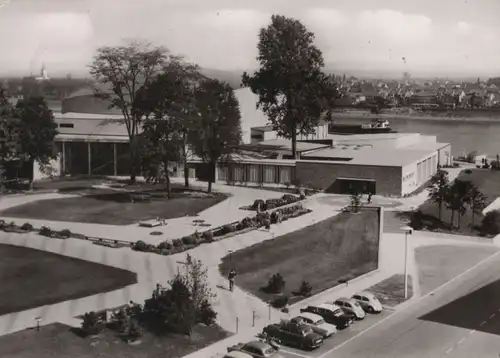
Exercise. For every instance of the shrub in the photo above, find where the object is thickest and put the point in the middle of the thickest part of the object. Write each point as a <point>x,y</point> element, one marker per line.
<point>247,222</point>
<point>206,314</point>
<point>305,289</point>
<point>258,202</point>
<point>188,240</point>
<point>27,227</point>
<point>276,284</point>
<point>417,220</point>
<point>495,165</point>
<point>208,236</point>
<point>228,229</point>
<point>2,224</point>
<point>165,245</point>
<point>267,223</point>
<point>289,198</point>
<point>119,321</point>
<point>65,233</point>
<point>91,324</point>
<point>134,331</point>
<point>490,224</point>
<point>280,302</point>
<point>45,231</point>
<point>177,243</point>
<point>140,246</point>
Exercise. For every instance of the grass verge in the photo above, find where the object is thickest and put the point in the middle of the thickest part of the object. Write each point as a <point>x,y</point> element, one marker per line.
<point>341,247</point>
<point>32,278</point>
<point>390,291</point>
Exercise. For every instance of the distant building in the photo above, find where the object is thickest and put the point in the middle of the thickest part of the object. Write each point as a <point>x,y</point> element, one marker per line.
<point>44,75</point>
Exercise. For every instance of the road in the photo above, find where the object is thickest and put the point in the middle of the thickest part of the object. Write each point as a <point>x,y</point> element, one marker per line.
<point>462,320</point>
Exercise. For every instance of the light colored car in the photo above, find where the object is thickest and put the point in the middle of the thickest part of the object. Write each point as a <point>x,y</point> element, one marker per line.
<point>317,324</point>
<point>256,349</point>
<point>236,354</point>
<point>368,301</point>
<point>351,306</point>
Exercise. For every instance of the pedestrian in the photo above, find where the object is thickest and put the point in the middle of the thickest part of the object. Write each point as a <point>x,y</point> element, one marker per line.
<point>369,198</point>
<point>230,277</point>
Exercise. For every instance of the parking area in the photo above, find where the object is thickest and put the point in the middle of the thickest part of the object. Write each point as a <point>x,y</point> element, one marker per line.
<point>339,338</point>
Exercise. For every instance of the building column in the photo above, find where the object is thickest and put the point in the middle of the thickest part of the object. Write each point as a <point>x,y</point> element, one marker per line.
<point>89,158</point>
<point>115,160</point>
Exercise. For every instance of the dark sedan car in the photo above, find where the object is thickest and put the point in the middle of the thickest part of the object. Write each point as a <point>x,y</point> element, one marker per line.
<point>331,314</point>
<point>295,334</point>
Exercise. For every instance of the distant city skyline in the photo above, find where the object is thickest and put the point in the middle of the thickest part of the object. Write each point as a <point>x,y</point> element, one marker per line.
<point>370,38</point>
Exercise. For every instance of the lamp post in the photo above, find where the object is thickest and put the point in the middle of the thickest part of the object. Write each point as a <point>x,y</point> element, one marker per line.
<point>230,255</point>
<point>408,230</point>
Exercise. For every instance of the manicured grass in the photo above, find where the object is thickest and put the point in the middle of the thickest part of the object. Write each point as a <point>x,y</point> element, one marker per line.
<point>58,341</point>
<point>341,247</point>
<point>115,207</point>
<point>391,291</point>
<point>487,181</point>
<point>438,264</point>
<point>32,278</point>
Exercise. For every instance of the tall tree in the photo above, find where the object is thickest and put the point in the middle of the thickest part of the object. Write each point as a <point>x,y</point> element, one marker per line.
<point>292,89</point>
<point>127,70</point>
<point>477,202</point>
<point>216,131</point>
<point>167,104</point>
<point>9,134</point>
<point>438,188</point>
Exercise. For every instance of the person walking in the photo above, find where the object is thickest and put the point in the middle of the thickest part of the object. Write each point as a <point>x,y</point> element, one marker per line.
<point>369,198</point>
<point>230,277</point>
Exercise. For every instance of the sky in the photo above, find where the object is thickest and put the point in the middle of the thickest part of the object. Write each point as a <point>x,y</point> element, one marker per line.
<point>423,37</point>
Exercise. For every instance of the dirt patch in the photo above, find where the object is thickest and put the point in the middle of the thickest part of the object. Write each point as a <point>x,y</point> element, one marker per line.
<point>391,291</point>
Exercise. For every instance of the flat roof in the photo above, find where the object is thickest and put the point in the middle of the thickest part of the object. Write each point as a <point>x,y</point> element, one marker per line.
<point>389,157</point>
<point>286,144</point>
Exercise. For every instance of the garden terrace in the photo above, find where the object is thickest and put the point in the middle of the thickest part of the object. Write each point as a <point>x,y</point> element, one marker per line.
<point>59,341</point>
<point>32,278</point>
<point>339,248</point>
<point>486,181</point>
<point>113,207</point>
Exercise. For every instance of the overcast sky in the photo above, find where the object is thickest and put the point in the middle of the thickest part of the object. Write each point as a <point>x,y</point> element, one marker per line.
<point>447,37</point>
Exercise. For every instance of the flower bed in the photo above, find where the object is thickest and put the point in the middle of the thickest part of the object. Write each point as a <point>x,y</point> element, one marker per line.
<point>279,202</point>
<point>27,227</point>
<point>264,219</point>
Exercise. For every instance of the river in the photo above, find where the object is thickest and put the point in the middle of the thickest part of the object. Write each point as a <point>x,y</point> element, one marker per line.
<point>465,137</point>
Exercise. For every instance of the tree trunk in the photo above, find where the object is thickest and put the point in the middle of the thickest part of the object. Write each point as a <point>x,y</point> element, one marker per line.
<point>473,216</point>
<point>211,177</point>
<point>168,185</point>
<point>452,219</point>
<point>459,219</point>
<point>440,210</point>
<point>294,143</point>
<point>186,174</point>
<point>133,166</point>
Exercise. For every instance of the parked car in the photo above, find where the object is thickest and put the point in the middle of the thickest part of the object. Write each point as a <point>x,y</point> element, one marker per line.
<point>237,354</point>
<point>368,301</point>
<point>255,349</point>
<point>294,334</point>
<point>350,305</point>
<point>317,324</point>
<point>332,314</point>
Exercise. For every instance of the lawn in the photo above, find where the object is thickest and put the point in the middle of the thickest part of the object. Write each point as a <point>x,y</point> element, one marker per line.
<point>391,291</point>
<point>58,341</point>
<point>487,181</point>
<point>115,207</point>
<point>438,264</point>
<point>341,247</point>
<point>32,278</point>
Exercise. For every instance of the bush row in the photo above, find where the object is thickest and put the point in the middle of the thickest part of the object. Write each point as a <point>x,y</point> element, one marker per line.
<point>284,200</point>
<point>263,219</point>
<point>27,227</point>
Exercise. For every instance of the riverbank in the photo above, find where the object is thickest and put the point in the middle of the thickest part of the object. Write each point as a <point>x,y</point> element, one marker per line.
<point>474,117</point>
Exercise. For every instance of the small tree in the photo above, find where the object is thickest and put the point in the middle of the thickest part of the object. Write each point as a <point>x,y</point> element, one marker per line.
<point>276,284</point>
<point>216,132</point>
<point>491,223</point>
<point>119,321</point>
<point>438,189</point>
<point>457,199</point>
<point>356,202</point>
<point>477,202</point>
<point>91,323</point>
<point>196,279</point>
